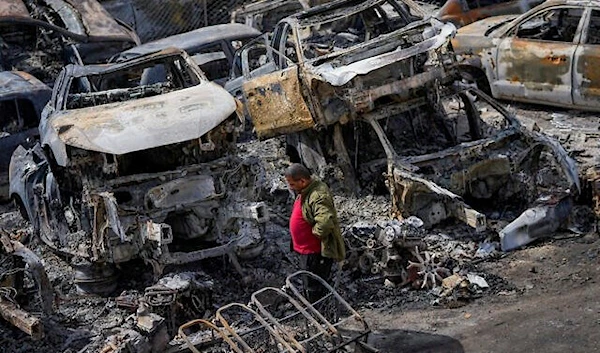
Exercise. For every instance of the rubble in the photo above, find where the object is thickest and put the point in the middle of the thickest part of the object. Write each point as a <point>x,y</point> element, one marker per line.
<point>276,319</point>
<point>139,186</point>
<point>21,272</point>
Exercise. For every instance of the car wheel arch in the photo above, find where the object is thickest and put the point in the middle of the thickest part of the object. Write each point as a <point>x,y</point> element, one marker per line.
<point>476,75</point>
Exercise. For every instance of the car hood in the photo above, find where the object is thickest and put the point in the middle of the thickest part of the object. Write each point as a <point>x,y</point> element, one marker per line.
<point>136,125</point>
<point>481,27</point>
<point>338,75</point>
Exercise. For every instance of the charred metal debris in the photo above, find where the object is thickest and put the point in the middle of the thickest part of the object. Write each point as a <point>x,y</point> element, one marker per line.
<point>40,37</point>
<point>274,320</point>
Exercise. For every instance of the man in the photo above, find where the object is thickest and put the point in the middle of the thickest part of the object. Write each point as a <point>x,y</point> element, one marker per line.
<point>314,227</point>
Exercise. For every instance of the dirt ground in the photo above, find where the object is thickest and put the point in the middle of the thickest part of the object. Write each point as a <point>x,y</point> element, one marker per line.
<point>553,308</point>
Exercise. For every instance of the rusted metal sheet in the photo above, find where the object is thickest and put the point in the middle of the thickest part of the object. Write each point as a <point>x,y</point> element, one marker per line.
<point>586,79</point>
<point>527,62</point>
<point>276,105</point>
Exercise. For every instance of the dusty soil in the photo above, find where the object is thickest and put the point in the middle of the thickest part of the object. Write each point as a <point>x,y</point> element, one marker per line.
<point>552,308</point>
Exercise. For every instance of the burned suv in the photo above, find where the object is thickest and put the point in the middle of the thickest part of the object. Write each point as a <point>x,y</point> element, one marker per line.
<point>130,167</point>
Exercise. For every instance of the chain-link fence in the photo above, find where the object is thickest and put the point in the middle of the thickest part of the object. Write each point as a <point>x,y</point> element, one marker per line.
<point>153,19</point>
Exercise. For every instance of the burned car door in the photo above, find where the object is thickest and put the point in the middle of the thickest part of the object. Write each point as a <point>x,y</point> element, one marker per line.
<point>535,60</point>
<point>252,60</point>
<point>586,80</point>
<point>274,99</point>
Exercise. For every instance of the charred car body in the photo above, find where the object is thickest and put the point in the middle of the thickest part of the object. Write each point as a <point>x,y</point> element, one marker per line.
<point>41,36</point>
<point>265,14</point>
<point>547,55</point>
<point>463,12</point>
<point>339,61</point>
<point>22,98</point>
<point>212,47</point>
<point>128,168</point>
<point>389,106</point>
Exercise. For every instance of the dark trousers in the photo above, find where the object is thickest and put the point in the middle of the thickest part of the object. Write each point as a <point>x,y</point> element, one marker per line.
<point>320,266</point>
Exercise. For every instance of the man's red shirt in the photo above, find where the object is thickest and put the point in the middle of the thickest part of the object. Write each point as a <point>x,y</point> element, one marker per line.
<point>303,240</point>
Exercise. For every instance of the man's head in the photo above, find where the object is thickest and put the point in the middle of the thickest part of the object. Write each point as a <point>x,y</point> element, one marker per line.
<point>298,177</point>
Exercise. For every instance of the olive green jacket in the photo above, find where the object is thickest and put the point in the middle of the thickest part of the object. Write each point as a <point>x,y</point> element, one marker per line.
<point>318,210</point>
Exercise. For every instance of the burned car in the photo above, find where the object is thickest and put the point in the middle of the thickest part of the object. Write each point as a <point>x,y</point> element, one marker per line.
<point>265,14</point>
<point>131,168</point>
<point>546,55</point>
<point>22,98</point>
<point>212,47</point>
<point>41,36</point>
<point>339,61</point>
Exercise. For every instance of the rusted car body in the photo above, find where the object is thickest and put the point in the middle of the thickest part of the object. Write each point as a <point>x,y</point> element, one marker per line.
<point>496,162</point>
<point>265,14</point>
<point>322,73</point>
<point>212,47</point>
<point>128,168</point>
<point>22,99</point>
<point>546,55</point>
<point>337,62</point>
<point>55,32</point>
<point>464,12</point>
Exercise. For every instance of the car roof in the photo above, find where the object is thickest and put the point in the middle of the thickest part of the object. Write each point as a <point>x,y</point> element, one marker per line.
<point>76,70</point>
<point>264,5</point>
<point>193,40</point>
<point>544,5</point>
<point>18,83</point>
<point>83,19</point>
<point>549,3</point>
